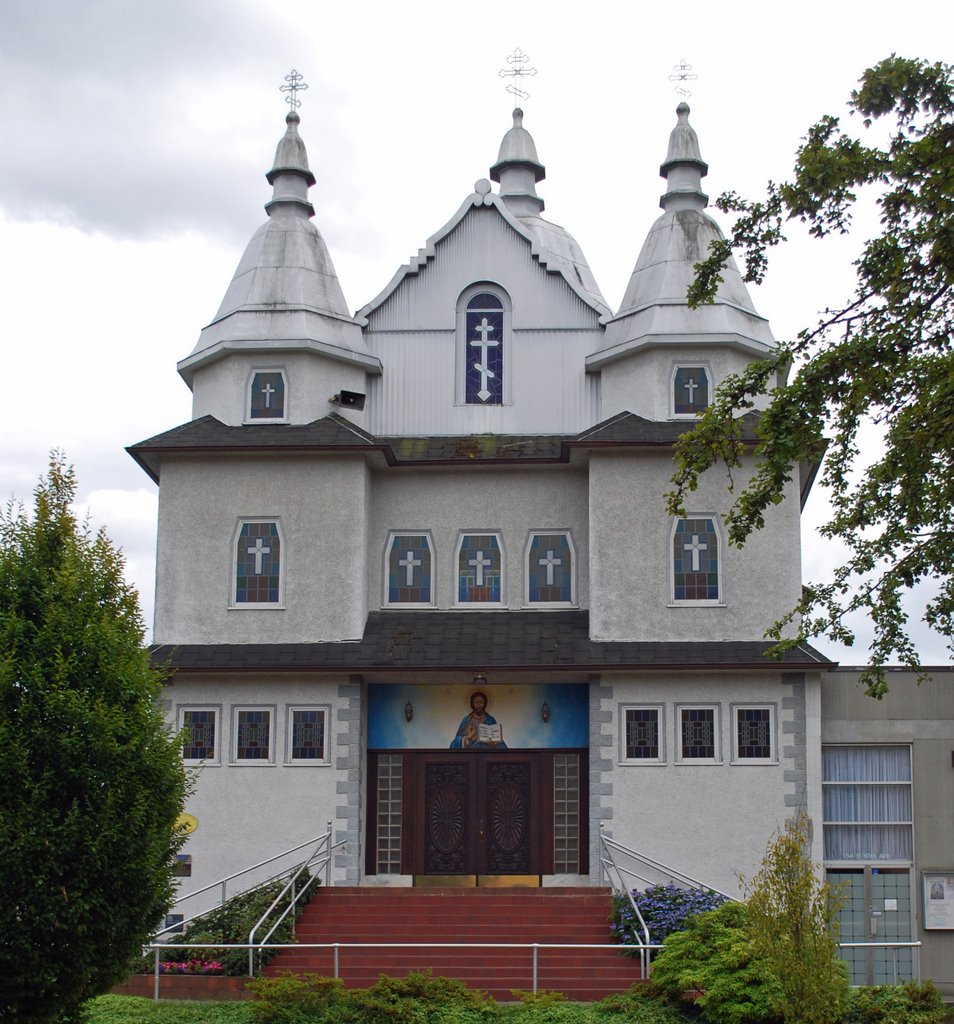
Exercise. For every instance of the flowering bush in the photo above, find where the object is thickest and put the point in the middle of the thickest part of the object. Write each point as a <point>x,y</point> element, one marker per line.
<point>665,909</point>
<point>190,967</point>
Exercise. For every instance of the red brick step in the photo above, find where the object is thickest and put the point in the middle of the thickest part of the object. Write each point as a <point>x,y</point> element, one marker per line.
<point>491,917</point>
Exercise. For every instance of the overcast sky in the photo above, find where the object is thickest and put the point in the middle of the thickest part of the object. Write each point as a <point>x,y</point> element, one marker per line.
<point>136,135</point>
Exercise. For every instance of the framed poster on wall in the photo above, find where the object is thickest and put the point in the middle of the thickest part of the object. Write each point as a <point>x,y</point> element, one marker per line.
<point>938,890</point>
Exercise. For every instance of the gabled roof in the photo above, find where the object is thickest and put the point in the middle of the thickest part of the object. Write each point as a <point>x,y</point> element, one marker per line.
<point>428,641</point>
<point>555,249</point>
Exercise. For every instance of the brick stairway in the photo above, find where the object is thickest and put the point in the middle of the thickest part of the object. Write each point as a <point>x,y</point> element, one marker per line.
<point>491,915</point>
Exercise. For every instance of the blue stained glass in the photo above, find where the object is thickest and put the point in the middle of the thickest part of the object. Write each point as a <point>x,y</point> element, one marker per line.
<point>254,728</point>
<point>695,561</point>
<point>198,735</point>
<point>258,564</point>
<point>550,569</point>
<point>483,351</point>
<point>409,570</point>
<point>478,569</point>
<point>267,397</point>
<point>690,391</point>
<point>308,734</point>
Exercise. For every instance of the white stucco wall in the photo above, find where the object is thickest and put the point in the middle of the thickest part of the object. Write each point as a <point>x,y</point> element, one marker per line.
<point>641,382</point>
<point>248,813</point>
<point>220,388</point>
<point>630,559</point>
<point>710,821</point>
<point>321,504</point>
<point>511,501</point>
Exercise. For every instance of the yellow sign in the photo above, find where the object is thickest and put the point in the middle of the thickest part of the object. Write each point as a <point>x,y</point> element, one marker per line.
<point>187,823</point>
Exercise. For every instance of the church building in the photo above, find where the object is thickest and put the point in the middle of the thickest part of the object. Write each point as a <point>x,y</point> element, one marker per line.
<point>416,577</point>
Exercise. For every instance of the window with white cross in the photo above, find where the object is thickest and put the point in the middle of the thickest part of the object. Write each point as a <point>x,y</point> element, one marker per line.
<point>479,569</point>
<point>690,390</point>
<point>258,564</point>
<point>409,570</point>
<point>483,323</point>
<point>266,396</point>
<point>696,565</point>
<point>550,569</point>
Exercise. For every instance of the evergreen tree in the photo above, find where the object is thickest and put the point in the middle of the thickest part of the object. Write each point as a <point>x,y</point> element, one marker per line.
<point>91,783</point>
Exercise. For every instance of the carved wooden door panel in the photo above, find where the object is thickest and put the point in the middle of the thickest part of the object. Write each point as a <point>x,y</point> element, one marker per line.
<point>447,821</point>
<point>506,807</point>
<point>476,814</point>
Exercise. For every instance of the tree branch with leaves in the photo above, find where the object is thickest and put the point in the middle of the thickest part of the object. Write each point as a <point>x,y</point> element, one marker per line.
<point>882,363</point>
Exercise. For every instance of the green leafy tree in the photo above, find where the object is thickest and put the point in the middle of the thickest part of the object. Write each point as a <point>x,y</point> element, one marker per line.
<point>884,358</point>
<point>791,922</point>
<point>91,783</point>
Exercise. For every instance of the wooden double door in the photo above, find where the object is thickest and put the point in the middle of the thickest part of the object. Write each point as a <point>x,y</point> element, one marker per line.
<point>478,813</point>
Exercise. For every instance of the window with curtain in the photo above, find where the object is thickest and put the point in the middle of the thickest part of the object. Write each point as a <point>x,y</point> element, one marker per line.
<point>867,803</point>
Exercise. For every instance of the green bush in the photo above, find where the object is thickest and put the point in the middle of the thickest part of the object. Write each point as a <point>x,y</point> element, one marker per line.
<point>231,923</point>
<point>294,999</point>
<point>911,1003</point>
<point>113,1009</point>
<point>713,960</point>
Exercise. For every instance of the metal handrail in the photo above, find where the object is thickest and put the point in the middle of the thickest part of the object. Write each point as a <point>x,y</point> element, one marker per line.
<point>674,874</point>
<point>157,947</point>
<point>223,882</point>
<point>608,862</point>
<point>324,847</point>
<point>894,947</point>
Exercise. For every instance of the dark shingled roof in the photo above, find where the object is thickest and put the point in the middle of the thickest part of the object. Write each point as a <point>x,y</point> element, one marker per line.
<point>427,641</point>
<point>336,433</point>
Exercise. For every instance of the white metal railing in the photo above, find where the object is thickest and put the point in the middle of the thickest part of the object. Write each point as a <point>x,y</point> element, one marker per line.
<point>336,947</point>
<point>608,864</point>
<point>894,947</point>
<point>320,858</point>
<point>321,840</point>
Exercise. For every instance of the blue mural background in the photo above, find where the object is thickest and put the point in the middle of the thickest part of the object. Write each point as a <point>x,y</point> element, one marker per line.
<point>438,711</point>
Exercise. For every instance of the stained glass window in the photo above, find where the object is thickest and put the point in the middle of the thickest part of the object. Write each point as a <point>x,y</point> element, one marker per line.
<point>550,569</point>
<point>642,734</point>
<point>484,345</point>
<point>266,400</point>
<point>690,391</point>
<point>695,560</point>
<point>698,733</point>
<point>307,734</point>
<point>198,734</point>
<point>753,732</point>
<point>253,728</point>
<point>409,569</point>
<point>258,564</point>
<point>479,569</point>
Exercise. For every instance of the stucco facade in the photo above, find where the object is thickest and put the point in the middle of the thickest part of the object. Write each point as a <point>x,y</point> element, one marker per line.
<point>415,568</point>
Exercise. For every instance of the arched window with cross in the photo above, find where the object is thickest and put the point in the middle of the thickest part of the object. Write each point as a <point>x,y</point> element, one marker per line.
<point>696,561</point>
<point>483,321</point>
<point>266,398</point>
<point>690,390</point>
<point>551,569</point>
<point>409,571</point>
<point>479,569</point>
<point>258,569</point>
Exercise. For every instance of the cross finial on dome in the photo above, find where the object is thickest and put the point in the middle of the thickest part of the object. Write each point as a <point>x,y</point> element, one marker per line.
<point>518,70</point>
<point>682,72</point>
<point>295,84</point>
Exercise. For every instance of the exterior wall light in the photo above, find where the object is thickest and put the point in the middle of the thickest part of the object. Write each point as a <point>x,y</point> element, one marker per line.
<point>545,711</point>
<point>408,711</point>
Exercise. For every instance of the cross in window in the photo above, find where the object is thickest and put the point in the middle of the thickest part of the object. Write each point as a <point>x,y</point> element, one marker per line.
<point>549,562</point>
<point>695,546</point>
<point>268,391</point>
<point>409,562</point>
<point>483,329</point>
<point>478,563</point>
<point>258,551</point>
<point>691,386</point>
